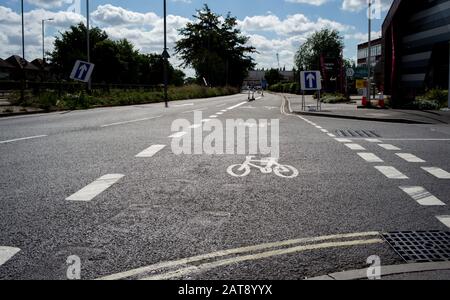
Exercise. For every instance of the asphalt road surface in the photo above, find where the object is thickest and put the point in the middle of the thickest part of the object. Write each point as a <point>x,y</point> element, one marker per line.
<point>104,185</point>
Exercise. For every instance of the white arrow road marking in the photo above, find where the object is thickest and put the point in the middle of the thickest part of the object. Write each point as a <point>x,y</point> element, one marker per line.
<point>389,147</point>
<point>96,188</point>
<point>6,253</point>
<point>355,147</point>
<point>444,220</point>
<point>391,172</point>
<point>422,196</point>
<point>370,157</point>
<point>410,158</point>
<point>178,135</point>
<point>437,172</point>
<point>23,139</point>
<point>151,151</point>
<point>237,251</point>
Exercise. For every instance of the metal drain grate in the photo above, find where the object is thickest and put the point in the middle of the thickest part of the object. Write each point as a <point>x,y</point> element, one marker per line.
<point>358,133</point>
<point>420,246</point>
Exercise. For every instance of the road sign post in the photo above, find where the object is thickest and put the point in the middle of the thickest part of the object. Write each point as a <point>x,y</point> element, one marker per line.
<point>311,81</point>
<point>82,71</point>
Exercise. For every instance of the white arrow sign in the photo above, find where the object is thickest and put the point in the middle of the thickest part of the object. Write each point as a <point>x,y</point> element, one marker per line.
<point>82,71</point>
<point>310,80</point>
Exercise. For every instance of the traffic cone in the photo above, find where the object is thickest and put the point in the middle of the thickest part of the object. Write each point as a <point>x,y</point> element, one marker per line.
<point>364,101</point>
<point>381,101</point>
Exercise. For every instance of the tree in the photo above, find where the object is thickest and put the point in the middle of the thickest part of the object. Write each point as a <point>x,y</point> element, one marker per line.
<point>326,44</point>
<point>115,61</point>
<point>273,76</point>
<point>215,48</point>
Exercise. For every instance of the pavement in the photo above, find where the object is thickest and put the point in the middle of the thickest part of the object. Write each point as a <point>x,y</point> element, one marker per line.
<point>103,194</point>
<point>353,111</point>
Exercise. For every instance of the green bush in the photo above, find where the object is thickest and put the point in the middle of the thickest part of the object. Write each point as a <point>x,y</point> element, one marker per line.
<point>334,98</point>
<point>423,104</point>
<point>431,97</point>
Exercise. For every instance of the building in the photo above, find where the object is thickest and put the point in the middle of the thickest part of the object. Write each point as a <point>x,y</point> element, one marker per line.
<point>257,77</point>
<point>363,51</point>
<point>416,35</point>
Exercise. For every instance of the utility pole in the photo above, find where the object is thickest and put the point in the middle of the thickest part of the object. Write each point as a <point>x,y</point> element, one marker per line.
<point>88,42</point>
<point>369,56</point>
<point>165,56</point>
<point>43,39</point>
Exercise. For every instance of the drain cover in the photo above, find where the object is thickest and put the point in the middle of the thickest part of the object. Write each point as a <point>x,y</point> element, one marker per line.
<point>358,133</point>
<point>420,246</point>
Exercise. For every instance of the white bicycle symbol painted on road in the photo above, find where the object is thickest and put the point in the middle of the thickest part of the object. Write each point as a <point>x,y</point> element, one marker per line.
<point>269,165</point>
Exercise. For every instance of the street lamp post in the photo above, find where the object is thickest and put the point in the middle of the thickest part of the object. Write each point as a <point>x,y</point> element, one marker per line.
<point>449,75</point>
<point>165,56</point>
<point>369,56</point>
<point>43,39</point>
<point>22,90</point>
<point>88,42</point>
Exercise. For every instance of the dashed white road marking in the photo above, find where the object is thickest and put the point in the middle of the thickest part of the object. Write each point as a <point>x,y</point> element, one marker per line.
<point>213,116</point>
<point>391,172</point>
<point>437,172</point>
<point>324,130</point>
<point>181,105</point>
<point>370,157</point>
<point>236,106</point>
<point>319,127</point>
<point>94,189</point>
<point>355,147</point>
<point>410,157</point>
<point>343,140</point>
<point>373,141</point>
<point>151,151</point>
<point>23,139</point>
<point>444,220</point>
<point>389,147</point>
<point>331,135</point>
<point>219,113</point>
<point>129,122</point>
<point>195,126</point>
<point>178,135</point>
<point>223,110</point>
<point>422,196</point>
<point>6,253</point>
<point>206,120</point>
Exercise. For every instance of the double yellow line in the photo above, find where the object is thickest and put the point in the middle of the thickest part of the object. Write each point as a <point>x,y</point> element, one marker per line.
<point>182,267</point>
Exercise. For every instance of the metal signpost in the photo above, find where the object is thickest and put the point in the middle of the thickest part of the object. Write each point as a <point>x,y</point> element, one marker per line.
<point>310,81</point>
<point>82,71</point>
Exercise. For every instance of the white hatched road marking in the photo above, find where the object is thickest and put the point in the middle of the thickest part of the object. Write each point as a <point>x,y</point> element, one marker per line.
<point>410,158</point>
<point>391,172</point>
<point>444,220</point>
<point>151,151</point>
<point>343,140</point>
<point>178,135</point>
<point>129,122</point>
<point>23,139</point>
<point>370,157</point>
<point>95,188</point>
<point>422,196</point>
<point>437,172</point>
<point>389,147</point>
<point>6,253</point>
<point>355,147</point>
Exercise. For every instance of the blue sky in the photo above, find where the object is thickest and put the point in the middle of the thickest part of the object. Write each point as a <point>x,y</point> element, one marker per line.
<point>275,26</point>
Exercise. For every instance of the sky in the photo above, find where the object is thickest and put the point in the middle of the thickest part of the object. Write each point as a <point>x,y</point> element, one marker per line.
<point>274,26</point>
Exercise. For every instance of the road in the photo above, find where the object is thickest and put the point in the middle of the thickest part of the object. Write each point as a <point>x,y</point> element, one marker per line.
<point>104,185</point>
